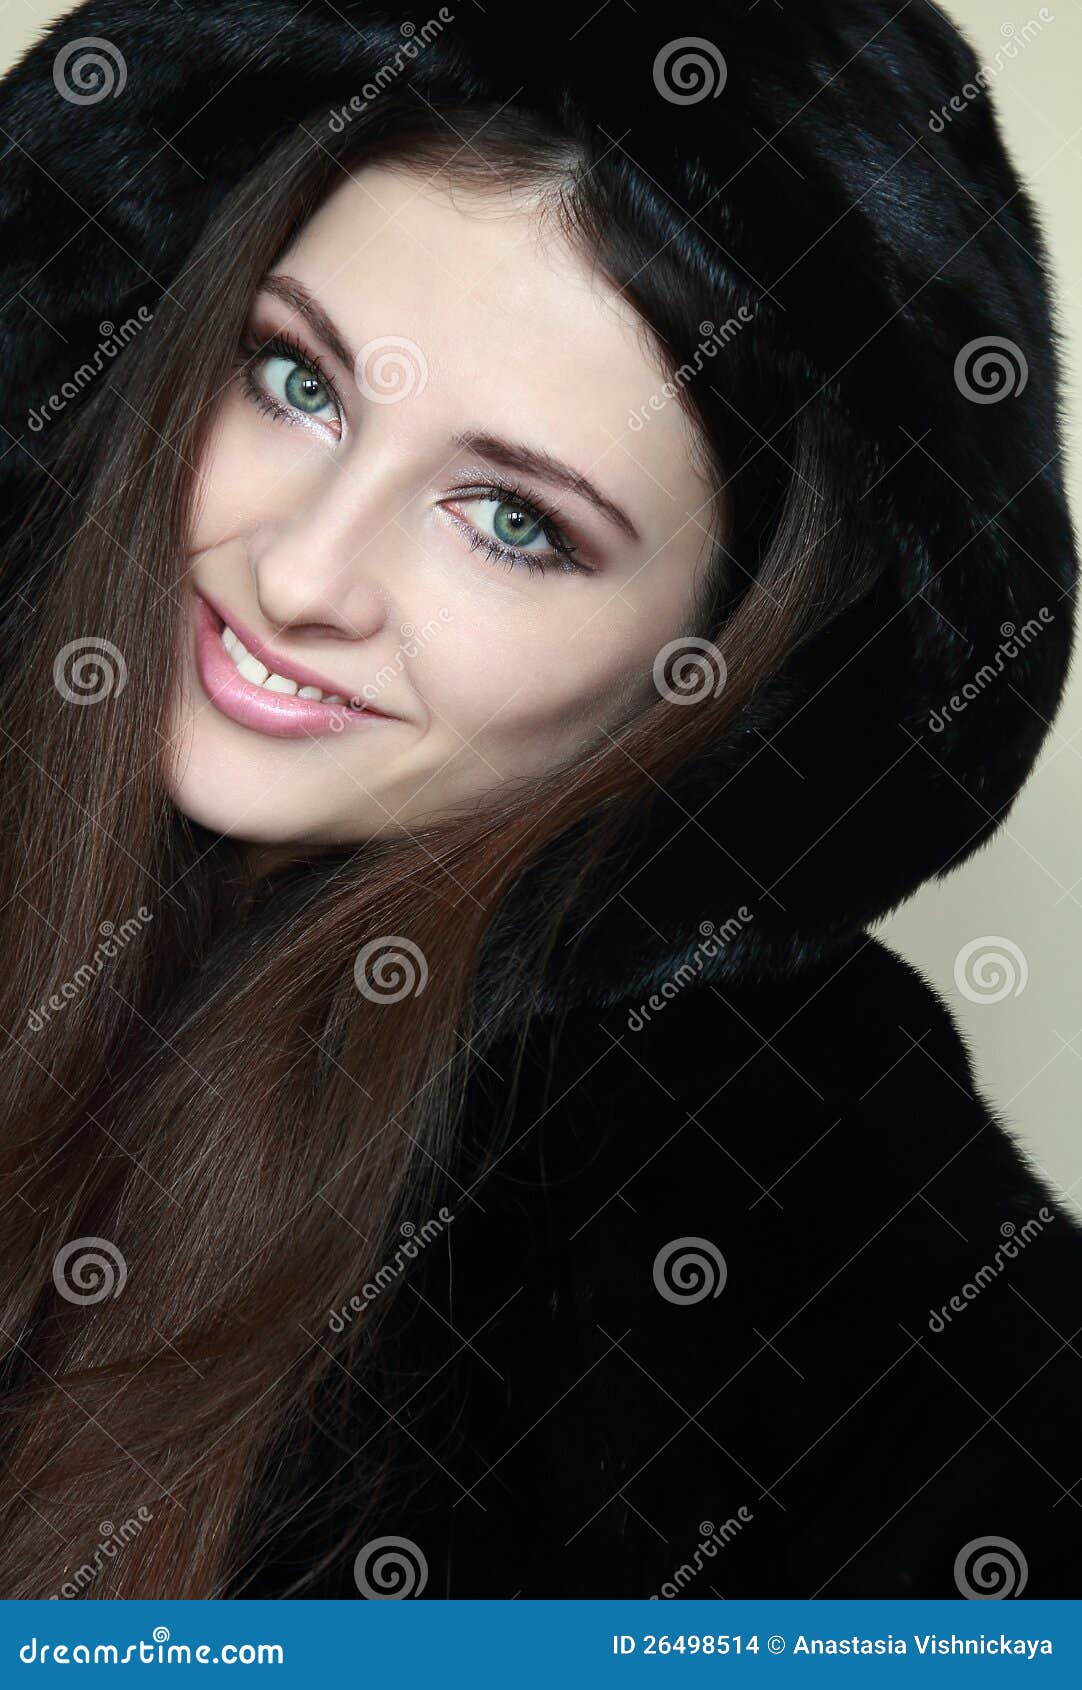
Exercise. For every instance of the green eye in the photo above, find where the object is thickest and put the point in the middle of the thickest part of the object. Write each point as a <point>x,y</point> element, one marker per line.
<point>287,382</point>
<point>515,523</point>
<point>298,386</point>
<point>511,528</point>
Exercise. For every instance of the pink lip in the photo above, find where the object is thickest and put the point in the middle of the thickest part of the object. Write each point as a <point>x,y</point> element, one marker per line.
<point>279,713</point>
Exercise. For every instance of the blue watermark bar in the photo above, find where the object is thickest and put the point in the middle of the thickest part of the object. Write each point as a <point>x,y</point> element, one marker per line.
<point>542,1643</point>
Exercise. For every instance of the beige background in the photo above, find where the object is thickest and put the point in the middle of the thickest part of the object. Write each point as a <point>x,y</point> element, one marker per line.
<point>1026,886</point>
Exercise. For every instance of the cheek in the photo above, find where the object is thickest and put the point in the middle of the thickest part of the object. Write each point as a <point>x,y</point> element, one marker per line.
<point>240,474</point>
<point>546,683</point>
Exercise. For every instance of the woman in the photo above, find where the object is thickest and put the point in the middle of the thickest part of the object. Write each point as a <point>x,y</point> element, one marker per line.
<point>461,1140</point>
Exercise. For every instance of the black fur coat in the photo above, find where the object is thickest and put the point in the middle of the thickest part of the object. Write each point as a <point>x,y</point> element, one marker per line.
<point>760,1296</point>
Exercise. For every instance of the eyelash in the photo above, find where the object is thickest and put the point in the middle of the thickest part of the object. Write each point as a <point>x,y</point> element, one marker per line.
<point>282,346</point>
<point>562,560</point>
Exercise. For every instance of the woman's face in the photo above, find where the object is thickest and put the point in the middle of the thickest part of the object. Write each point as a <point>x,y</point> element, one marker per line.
<point>426,498</point>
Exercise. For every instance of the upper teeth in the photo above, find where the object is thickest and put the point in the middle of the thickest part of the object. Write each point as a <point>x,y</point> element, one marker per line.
<point>252,670</point>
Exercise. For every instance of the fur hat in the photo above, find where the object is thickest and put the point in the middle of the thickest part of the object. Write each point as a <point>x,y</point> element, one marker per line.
<point>897,294</point>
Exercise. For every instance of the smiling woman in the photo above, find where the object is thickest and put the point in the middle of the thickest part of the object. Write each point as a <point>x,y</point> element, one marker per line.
<point>487,624</point>
<point>333,515</point>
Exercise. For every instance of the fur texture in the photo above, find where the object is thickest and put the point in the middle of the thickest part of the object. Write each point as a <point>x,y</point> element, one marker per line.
<point>827,1424</point>
<point>804,1104</point>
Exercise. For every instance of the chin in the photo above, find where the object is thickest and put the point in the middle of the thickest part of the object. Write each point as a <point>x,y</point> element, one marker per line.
<point>221,816</point>
<point>245,811</point>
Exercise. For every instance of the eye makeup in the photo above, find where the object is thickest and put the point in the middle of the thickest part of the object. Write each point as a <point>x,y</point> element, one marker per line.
<point>255,351</point>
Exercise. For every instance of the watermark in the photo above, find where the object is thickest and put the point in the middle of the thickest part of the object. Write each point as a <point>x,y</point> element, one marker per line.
<point>113,1539</point>
<point>989,1569</point>
<point>414,40</point>
<point>113,937</point>
<point>714,338</point>
<point>390,368</point>
<point>688,972</point>
<point>414,1241</point>
<point>1014,40</point>
<point>89,1270</point>
<point>989,369</point>
<point>714,938</point>
<point>1015,1240</point>
<point>113,340</point>
<point>390,968</point>
<point>157,1650</point>
<point>412,641</point>
<point>711,1539</point>
<point>687,1270</point>
<point>89,70</point>
<point>87,670</point>
<point>991,968</point>
<point>390,1568</point>
<point>688,70</point>
<point>1013,642</point>
<point>688,669</point>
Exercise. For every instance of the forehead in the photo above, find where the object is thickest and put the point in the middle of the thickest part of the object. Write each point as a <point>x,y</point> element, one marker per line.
<point>514,323</point>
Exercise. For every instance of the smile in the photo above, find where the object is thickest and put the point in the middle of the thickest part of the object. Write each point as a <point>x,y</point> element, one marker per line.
<point>243,688</point>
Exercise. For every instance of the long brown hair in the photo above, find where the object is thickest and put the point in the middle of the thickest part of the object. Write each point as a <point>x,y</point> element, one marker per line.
<point>210,1118</point>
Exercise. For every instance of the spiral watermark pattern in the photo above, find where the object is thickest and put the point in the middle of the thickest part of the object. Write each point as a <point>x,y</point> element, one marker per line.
<point>88,1270</point>
<point>689,669</point>
<point>688,1269</point>
<point>389,1568</point>
<point>390,368</point>
<point>88,670</point>
<point>990,369</point>
<point>390,968</point>
<point>89,70</point>
<point>990,968</point>
<point>989,1569</point>
<point>688,70</point>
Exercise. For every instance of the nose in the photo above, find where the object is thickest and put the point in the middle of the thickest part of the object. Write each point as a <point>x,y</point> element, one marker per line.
<point>321,558</point>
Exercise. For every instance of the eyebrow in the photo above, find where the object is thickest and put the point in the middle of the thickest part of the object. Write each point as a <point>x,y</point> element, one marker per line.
<point>527,460</point>
<point>295,294</point>
<point>509,454</point>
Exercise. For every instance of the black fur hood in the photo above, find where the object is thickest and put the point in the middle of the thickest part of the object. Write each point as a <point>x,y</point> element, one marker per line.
<point>889,264</point>
<point>757,1297</point>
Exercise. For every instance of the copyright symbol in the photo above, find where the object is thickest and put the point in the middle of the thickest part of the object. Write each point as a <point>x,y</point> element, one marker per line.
<point>776,1644</point>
